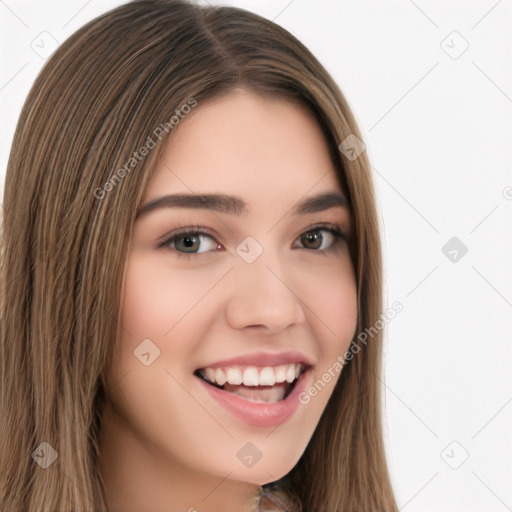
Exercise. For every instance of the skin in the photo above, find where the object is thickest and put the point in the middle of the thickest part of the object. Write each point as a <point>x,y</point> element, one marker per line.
<point>166,445</point>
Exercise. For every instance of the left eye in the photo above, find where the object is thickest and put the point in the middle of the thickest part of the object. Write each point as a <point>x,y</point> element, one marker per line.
<point>192,243</point>
<point>319,239</point>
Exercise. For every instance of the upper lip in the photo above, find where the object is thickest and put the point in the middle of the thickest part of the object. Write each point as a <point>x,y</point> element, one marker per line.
<point>264,359</point>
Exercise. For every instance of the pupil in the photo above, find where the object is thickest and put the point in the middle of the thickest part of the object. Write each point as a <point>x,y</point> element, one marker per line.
<point>312,240</point>
<point>189,242</point>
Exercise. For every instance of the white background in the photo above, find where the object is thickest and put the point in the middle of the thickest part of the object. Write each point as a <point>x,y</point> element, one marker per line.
<point>437,124</point>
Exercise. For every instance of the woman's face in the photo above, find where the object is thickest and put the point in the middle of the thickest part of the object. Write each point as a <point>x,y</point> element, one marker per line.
<point>249,282</point>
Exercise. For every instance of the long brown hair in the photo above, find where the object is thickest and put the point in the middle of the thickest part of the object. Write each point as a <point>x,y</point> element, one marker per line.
<point>67,221</point>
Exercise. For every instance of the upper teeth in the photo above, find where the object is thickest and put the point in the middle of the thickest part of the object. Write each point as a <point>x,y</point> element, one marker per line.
<point>253,375</point>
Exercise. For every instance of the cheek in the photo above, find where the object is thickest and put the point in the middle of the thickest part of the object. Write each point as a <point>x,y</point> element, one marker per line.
<point>159,297</point>
<point>338,311</point>
<point>330,299</point>
<point>155,333</point>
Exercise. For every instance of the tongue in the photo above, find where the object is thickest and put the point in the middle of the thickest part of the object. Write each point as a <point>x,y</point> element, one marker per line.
<point>259,393</point>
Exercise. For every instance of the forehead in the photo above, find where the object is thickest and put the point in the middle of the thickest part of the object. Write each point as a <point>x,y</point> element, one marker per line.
<point>246,144</point>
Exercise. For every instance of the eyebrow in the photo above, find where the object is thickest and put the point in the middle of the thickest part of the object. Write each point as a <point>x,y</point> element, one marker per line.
<point>237,206</point>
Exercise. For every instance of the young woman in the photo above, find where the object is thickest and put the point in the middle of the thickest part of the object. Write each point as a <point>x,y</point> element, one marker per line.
<point>190,247</point>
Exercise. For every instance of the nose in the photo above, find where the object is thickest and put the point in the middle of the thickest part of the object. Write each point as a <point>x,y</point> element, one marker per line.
<point>263,296</point>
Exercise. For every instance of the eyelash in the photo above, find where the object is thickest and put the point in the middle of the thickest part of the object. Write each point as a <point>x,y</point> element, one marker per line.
<point>178,234</point>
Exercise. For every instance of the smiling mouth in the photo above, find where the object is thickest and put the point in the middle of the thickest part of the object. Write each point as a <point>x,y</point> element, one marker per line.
<point>266,384</point>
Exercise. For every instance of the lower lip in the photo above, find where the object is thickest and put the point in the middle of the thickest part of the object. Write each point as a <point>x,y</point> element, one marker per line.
<point>260,414</point>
